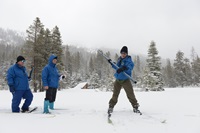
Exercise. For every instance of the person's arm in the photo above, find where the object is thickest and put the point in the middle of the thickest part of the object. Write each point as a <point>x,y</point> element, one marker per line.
<point>44,78</point>
<point>129,66</point>
<point>10,80</point>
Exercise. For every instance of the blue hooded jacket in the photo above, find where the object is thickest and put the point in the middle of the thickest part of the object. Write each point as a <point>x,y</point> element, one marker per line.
<point>17,77</point>
<point>50,74</point>
<point>128,63</point>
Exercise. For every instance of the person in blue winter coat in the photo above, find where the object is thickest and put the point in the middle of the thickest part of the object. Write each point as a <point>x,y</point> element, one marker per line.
<point>126,65</point>
<point>50,79</point>
<point>18,82</point>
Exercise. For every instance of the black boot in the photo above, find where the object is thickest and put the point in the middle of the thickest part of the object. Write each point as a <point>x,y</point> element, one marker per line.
<point>25,110</point>
<point>110,110</point>
<point>135,108</point>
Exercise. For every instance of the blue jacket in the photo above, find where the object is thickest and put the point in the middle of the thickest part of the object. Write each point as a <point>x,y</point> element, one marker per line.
<point>128,63</point>
<point>50,74</point>
<point>17,77</point>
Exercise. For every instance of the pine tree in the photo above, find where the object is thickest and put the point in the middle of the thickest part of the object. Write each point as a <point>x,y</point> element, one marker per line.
<point>47,45</point>
<point>179,68</point>
<point>67,60</point>
<point>196,71</point>
<point>154,76</point>
<point>31,48</point>
<point>169,75</point>
<point>57,46</point>
<point>91,65</point>
<point>188,72</point>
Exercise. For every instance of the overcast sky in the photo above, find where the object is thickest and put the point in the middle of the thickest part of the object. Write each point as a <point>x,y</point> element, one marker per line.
<point>173,24</point>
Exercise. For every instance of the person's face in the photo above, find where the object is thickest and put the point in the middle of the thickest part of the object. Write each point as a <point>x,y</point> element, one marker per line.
<point>54,61</point>
<point>21,63</point>
<point>123,54</point>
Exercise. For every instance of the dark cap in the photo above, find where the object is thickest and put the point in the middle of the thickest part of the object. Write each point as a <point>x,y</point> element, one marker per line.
<point>20,58</point>
<point>124,49</point>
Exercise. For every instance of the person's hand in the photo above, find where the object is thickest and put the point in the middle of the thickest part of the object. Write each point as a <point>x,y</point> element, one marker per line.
<point>109,61</point>
<point>46,87</point>
<point>63,76</point>
<point>12,89</point>
<point>121,69</point>
<point>29,78</point>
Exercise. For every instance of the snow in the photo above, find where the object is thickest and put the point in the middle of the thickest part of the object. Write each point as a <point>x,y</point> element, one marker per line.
<point>84,111</point>
<point>80,85</point>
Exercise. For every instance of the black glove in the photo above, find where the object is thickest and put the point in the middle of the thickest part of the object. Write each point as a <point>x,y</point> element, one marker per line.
<point>11,88</point>
<point>63,76</point>
<point>29,78</point>
<point>121,69</point>
<point>109,61</point>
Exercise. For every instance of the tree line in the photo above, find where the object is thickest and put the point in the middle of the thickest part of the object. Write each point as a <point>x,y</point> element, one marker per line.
<point>81,64</point>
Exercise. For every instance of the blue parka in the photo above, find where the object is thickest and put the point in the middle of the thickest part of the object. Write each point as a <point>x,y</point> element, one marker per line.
<point>128,63</point>
<point>17,77</point>
<point>50,74</point>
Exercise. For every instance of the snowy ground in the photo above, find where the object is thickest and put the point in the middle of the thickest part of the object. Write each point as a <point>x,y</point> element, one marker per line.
<point>84,111</point>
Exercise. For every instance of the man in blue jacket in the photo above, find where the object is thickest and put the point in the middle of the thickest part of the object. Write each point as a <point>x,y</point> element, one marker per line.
<point>126,65</point>
<point>50,79</point>
<point>17,79</point>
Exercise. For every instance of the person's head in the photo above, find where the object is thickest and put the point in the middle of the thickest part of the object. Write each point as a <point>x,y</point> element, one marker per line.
<point>54,61</point>
<point>124,52</point>
<point>20,60</point>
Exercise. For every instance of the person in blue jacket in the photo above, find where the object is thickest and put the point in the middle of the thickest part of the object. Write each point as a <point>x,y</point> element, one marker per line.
<point>50,79</point>
<point>18,82</point>
<point>126,65</point>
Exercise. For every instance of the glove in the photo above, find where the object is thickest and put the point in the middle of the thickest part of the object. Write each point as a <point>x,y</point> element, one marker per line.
<point>12,89</point>
<point>121,69</point>
<point>29,78</point>
<point>109,61</point>
<point>63,76</point>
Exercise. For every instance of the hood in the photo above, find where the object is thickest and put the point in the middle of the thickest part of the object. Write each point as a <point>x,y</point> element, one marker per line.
<point>51,59</point>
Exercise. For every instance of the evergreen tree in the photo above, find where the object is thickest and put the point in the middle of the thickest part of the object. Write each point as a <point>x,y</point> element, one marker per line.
<point>67,60</point>
<point>196,71</point>
<point>31,50</point>
<point>179,68</point>
<point>91,65</point>
<point>169,75</point>
<point>188,72</point>
<point>57,46</point>
<point>47,45</point>
<point>154,76</point>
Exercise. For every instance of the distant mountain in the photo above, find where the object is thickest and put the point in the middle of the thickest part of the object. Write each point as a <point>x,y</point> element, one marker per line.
<point>11,37</point>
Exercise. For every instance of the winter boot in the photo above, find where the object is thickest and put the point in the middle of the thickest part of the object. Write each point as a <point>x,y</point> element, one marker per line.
<point>24,110</point>
<point>110,109</point>
<point>46,105</point>
<point>135,108</point>
<point>51,106</point>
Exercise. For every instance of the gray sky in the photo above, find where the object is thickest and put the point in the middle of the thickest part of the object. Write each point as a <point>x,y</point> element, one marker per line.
<point>173,24</point>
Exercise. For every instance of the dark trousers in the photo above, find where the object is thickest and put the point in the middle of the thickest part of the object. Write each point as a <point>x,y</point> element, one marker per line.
<point>17,97</point>
<point>126,84</point>
<point>51,94</point>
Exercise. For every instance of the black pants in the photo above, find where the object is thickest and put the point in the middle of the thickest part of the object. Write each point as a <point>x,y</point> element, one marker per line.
<point>51,94</point>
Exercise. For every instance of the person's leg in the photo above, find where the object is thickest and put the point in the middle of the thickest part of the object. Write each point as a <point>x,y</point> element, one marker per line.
<point>116,91</point>
<point>28,96</point>
<point>130,93</point>
<point>51,103</point>
<point>17,96</point>
<point>47,99</point>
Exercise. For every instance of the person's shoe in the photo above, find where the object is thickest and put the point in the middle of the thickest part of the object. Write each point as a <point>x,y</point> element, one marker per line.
<point>24,110</point>
<point>46,105</point>
<point>51,106</point>
<point>110,109</point>
<point>135,108</point>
